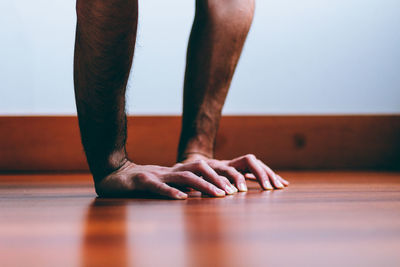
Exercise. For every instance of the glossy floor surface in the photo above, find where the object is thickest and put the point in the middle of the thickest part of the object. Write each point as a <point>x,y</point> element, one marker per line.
<point>322,219</point>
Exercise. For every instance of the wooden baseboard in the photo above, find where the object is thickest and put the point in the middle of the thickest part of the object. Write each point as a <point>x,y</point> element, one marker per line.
<point>52,143</point>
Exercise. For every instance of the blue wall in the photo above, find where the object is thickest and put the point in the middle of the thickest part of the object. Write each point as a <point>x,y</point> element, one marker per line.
<point>302,57</point>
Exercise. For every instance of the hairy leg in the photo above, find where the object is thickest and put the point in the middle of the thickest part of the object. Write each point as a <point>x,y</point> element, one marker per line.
<point>218,34</point>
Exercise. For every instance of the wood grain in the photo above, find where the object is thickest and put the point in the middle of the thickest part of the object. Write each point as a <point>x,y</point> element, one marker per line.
<point>284,142</point>
<point>322,219</point>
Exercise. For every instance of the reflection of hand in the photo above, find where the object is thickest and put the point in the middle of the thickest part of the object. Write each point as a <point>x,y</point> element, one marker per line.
<point>249,165</point>
<point>132,179</point>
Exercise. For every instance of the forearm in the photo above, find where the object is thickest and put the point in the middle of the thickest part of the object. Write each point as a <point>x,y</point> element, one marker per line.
<point>217,38</point>
<point>103,56</point>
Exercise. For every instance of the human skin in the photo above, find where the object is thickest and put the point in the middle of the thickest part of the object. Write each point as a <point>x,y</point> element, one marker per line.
<point>104,48</point>
<point>218,34</point>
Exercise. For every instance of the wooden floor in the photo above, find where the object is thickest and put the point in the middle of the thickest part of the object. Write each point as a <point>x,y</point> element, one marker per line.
<point>322,219</point>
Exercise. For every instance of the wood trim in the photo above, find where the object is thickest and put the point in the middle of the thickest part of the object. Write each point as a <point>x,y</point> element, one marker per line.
<point>52,143</point>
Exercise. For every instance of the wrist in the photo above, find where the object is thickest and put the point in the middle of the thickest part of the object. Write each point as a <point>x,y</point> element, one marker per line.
<point>100,167</point>
<point>197,136</point>
<point>192,156</point>
<point>196,149</point>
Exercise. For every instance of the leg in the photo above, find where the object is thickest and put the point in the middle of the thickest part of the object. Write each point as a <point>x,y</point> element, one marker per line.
<point>219,31</point>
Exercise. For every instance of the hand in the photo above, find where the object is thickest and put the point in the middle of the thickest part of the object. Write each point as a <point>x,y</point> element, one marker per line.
<point>237,169</point>
<point>137,180</point>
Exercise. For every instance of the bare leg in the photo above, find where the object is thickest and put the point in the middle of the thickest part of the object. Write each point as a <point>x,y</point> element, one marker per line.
<point>219,31</point>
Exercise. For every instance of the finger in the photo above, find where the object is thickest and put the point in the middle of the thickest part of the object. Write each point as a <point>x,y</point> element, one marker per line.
<point>250,163</point>
<point>233,175</point>
<point>250,176</point>
<point>184,189</point>
<point>284,182</point>
<point>272,176</point>
<point>189,179</point>
<point>178,164</point>
<point>201,168</point>
<point>163,189</point>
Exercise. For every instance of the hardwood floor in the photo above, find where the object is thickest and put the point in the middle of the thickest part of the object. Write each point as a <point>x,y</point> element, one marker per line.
<point>322,219</point>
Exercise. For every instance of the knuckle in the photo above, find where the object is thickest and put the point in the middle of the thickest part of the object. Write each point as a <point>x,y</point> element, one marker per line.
<point>211,187</point>
<point>140,180</point>
<point>187,174</point>
<point>200,165</point>
<point>251,156</point>
<point>196,163</point>
<point>239,177</point>
<point>223,179</point>
<point>250,159</point>
<point>178,165</point>
<point>231,169</point>
<point>142,176</point>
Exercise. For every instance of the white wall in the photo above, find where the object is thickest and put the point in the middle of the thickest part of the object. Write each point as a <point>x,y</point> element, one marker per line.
<point>302,57</point>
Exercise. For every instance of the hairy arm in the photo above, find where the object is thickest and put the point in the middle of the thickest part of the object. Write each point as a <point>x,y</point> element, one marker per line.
<point>103,56</point>
<point>218,34</point>
<point>104,47</point>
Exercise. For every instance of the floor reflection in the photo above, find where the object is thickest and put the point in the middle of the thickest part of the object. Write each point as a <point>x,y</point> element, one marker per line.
<point>200,231</point>
<point>104,238</point>
<point>210,230</point>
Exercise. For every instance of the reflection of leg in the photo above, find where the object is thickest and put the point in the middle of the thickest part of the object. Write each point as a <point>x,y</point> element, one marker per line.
<point>104,237</point>
<point>216,41</point>
<point>105,42</point>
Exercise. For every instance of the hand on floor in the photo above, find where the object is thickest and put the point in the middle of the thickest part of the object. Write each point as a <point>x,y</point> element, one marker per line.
<point>145,180</point>
<point>237,169</point>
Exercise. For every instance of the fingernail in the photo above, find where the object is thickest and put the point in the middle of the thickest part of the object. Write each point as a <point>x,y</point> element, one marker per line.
<point>267,186</point>
<point>278,183</point>
<point>286,182</point>
<point>234,189</point>
<point>242,187</point>
<point>229,189</point>
<point>181,195</point>
<point>219,192</point>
